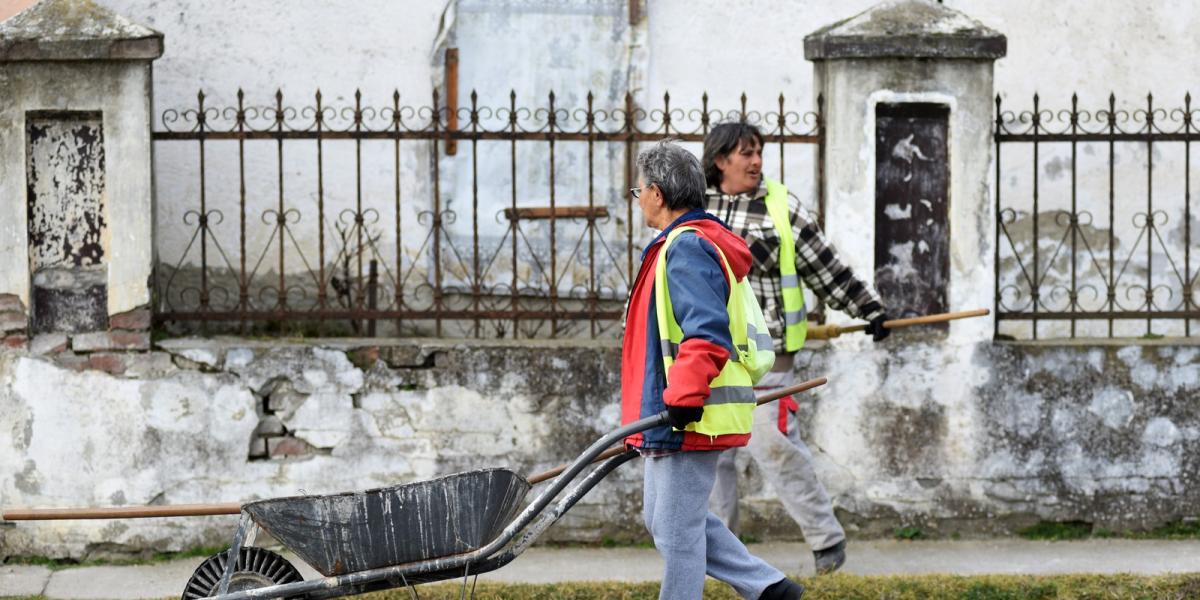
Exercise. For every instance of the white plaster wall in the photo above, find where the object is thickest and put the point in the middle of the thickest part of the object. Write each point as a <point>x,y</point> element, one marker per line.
<point>1089,46</point>
<point>118,90</point>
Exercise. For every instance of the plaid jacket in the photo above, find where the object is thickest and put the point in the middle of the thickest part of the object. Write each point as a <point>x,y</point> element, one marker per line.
<point>817,263</point>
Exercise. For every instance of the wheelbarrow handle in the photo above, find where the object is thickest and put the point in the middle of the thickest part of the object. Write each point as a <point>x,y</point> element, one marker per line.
<point>661,418</point>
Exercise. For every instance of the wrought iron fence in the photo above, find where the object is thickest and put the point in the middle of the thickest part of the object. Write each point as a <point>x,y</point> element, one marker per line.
<point>346,217</point>
<point>1094,221</point>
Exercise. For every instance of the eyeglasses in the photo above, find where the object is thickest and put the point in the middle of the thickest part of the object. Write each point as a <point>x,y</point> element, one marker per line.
<point>637,191</point>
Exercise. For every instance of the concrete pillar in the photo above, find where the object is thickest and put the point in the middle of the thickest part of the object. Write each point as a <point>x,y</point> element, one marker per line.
<point>907,89</point>
<point>76,237</point>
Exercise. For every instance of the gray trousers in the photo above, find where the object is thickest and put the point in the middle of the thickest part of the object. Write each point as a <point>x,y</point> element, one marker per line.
<point>786,463</point>
<point>693,541</point>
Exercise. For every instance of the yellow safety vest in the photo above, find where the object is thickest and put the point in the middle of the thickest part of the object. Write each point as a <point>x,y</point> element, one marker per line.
<point>729,408</point>
<point>795,316</point>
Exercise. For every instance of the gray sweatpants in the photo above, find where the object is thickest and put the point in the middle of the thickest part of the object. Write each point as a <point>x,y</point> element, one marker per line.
<point>786,463</point>
<point>692,540</point>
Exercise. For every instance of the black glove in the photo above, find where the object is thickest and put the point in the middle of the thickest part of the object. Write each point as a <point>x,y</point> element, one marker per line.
<point>876,330</point>
<point>680,416</point>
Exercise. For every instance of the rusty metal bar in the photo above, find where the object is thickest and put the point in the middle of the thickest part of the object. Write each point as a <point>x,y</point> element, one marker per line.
<point>630,180</point>
<point>1188,281</point>
<point>821,161</point>
<point>560,212</point>
<point>782,178</point>
<point>322,299</point>
<point>1099,315</point>
<point>452,99</point>
<point>551,121</point>
<point>502,136</point>
<point>1112,282</point>
<point>281,216</point>
<point>359,216</point>
<point>437,221</point>
<point>591,215</point>
<point>476,292</point>
<point>399,291</point>
<point>243,280</point>
<point>1074,221</point>
<point>1149,210</point>
<point>996,244</point>
<point>1036,285</point>
<point>514,221</point>
<point>202,221</point>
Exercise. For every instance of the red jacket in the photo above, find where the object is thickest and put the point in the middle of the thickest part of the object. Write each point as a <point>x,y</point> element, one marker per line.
<point>699,290</point>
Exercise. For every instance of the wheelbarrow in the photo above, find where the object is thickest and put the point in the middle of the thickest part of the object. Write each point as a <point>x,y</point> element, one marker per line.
<point>452,527</point>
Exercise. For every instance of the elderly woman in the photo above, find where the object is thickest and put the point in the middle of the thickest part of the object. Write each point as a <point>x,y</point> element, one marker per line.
<point>789,252</point>
<point>681,458</point>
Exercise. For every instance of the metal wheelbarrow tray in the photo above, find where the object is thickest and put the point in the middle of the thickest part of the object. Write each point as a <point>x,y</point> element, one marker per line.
<point>357,531</point>
<point>445,528</point>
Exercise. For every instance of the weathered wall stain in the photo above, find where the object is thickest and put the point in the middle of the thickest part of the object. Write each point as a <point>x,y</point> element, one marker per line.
<point>906,441</point>
<point>65,195</point>
<point>65,172</point>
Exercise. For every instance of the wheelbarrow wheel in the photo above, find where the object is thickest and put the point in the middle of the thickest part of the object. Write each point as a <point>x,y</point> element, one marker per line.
<point>256,568</point>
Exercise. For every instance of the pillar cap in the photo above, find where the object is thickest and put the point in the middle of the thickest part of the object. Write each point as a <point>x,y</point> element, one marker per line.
<point>57,30</point>
<point>906,29</point>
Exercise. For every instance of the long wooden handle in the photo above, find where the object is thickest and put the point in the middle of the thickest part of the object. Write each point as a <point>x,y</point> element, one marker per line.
<point>615,450</point>
<point>121,512</point>
<point>826,332</point>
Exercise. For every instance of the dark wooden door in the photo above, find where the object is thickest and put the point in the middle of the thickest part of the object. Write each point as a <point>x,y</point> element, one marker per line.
<point>912,182</point>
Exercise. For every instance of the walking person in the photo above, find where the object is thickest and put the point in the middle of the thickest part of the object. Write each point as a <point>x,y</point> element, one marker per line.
<point>675,357</point>
<point>789,251</point>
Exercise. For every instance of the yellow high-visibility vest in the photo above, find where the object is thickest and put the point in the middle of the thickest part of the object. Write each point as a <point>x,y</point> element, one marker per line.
<point>795,316</point>
<point>730,406</point>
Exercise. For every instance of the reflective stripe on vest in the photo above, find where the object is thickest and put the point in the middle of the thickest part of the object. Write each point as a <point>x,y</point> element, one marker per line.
<point>795,316</point>
<point>729,408</point>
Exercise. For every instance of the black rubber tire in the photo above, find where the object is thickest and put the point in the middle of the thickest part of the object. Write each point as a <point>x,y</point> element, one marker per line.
<point>256,567</point>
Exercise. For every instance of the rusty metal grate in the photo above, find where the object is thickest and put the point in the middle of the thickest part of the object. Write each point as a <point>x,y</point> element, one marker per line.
<point>1094,222</point>
<point>482,251</point>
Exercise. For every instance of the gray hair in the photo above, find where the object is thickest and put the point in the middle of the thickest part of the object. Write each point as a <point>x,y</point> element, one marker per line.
<point>676,172</point>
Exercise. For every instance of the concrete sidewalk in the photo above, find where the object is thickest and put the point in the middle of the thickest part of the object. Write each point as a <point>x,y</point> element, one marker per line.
<point>546,565</point>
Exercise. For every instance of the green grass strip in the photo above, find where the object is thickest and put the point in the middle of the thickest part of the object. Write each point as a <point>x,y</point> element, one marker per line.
<point>848,587</point>
<point>855,587</point>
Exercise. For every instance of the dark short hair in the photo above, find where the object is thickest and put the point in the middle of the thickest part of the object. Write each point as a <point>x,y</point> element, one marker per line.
<point>721,141</point>
<point>676,172</point>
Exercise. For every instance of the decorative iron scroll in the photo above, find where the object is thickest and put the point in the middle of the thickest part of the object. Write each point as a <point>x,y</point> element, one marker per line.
<point>406,265</point>
<point>1100,253</point>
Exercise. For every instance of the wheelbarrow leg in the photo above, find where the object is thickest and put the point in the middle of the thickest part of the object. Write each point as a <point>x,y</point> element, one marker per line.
<point>235,553</point>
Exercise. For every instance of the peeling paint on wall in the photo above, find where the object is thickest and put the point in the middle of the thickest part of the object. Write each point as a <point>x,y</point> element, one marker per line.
<point>65,190</point>
<point>65,176</point>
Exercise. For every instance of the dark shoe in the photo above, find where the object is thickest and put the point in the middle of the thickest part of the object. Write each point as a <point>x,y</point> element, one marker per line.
<point>830,559</point>
<point>784,589</point>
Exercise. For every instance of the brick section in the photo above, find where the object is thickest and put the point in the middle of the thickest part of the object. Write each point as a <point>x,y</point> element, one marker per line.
<point>111,340</point>
<point>48,343</point>
<point>90,342</point>
<point>15,341</point>
<point>288,447</point>
<point>13,320</point>
<point>130,340</point>
<point>107,362</point>
<point>74,362</point>
<point>11,303</point>
<point>137,319</point>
